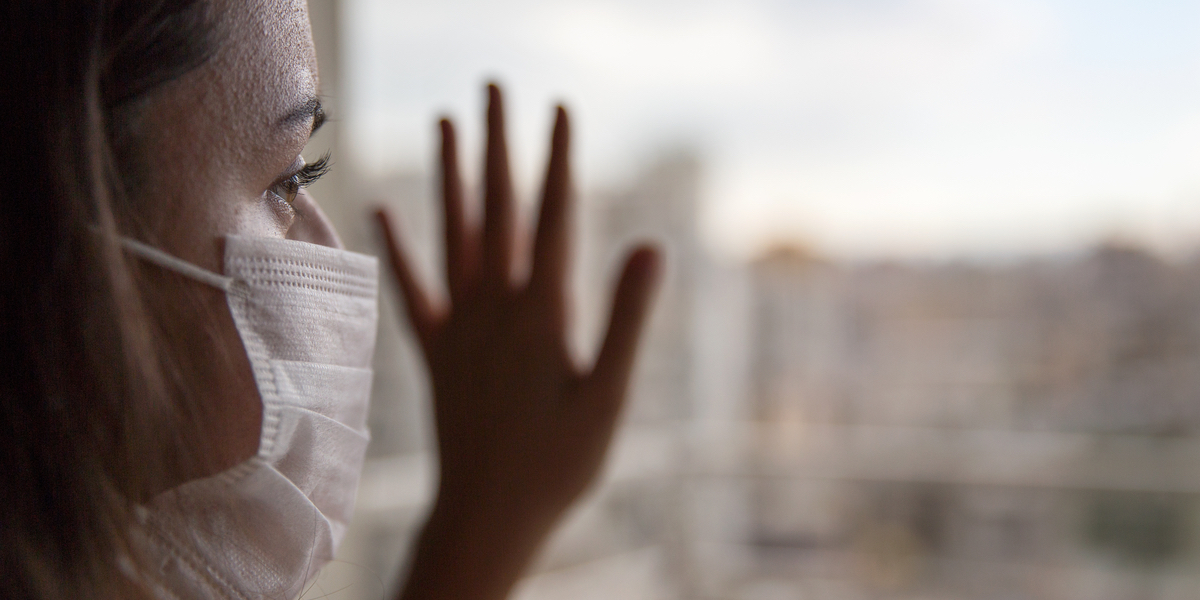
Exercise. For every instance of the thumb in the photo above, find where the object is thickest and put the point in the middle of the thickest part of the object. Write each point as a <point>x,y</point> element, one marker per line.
<point>631,305</point>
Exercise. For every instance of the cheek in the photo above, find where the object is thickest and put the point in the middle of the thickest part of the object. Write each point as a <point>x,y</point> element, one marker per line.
<point>205,179</point>
<point>263,215</point>
<point>192,224</point>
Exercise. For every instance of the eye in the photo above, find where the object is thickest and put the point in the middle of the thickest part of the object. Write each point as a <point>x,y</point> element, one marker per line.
<point>288,187</point>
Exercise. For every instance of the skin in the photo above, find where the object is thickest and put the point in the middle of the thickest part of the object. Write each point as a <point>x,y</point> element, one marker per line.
<point>216,143</point>
<point>522,429</point>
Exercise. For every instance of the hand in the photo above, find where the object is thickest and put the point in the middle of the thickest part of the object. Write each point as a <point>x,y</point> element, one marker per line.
<point>522,429</point>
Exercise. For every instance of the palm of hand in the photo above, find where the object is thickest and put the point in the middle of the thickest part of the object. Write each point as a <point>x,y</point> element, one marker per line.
<point>518,424</point>
<point>521,428</point>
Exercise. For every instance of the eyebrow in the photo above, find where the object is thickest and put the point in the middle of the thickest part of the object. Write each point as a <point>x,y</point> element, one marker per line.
<point>311,109</point>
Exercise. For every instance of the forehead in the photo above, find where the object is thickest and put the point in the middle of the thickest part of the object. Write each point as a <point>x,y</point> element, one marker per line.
<point>224,118</point>
<point>212,140</point>
<point>264,63</point>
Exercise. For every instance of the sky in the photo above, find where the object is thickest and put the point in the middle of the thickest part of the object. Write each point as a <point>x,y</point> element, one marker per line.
<point>860,128</point>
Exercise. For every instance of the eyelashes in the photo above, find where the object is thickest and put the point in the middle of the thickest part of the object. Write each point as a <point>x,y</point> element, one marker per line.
<point>289,187</point>
<point>310,173</point>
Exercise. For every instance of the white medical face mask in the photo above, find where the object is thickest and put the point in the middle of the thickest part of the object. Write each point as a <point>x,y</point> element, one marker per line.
<point>306,315</point>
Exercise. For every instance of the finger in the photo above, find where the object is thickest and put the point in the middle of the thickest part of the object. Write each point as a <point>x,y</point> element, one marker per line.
<point>551,251</point>
<point>420,310</point>
<point>498,205</point>
<point>631,304</point>
<point>459,262</point>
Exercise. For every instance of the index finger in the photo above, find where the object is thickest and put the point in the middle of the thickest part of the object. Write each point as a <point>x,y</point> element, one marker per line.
<point>551,253</point>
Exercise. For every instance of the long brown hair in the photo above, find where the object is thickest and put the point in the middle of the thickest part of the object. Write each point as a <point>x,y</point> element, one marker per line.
<point>83,386</point>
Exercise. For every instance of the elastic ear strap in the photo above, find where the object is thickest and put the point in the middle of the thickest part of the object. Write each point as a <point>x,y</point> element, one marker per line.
<point>180,266</point>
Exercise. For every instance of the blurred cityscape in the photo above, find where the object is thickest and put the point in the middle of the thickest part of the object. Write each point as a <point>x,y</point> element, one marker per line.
<point>803,429</point>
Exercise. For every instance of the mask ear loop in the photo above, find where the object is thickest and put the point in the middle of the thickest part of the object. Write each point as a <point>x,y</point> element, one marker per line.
<point>178,265</point>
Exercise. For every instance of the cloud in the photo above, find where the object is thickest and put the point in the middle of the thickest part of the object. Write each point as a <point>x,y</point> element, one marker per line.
<point>877,126</point>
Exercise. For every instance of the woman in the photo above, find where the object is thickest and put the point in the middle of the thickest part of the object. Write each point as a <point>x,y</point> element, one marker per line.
<point>186,344</point>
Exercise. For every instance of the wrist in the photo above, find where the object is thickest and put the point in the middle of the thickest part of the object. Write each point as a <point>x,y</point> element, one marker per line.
<point>473,549</point>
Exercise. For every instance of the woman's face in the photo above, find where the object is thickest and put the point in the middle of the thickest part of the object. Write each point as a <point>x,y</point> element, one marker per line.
<point>217,145</point>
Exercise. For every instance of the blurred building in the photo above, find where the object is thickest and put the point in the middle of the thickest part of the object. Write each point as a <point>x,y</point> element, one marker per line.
<point>627,538</point>
<point>973,431</point>
<point>800,428</point>
<point>803,429</point>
